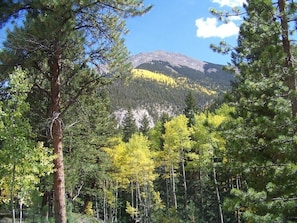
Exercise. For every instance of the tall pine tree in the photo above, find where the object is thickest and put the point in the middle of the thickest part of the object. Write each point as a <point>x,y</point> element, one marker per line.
<point>261,141</point>
<point>58,39</point>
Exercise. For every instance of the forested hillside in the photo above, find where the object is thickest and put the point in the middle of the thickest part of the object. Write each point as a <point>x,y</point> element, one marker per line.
<point>64,158</point>
<point>160,82</point>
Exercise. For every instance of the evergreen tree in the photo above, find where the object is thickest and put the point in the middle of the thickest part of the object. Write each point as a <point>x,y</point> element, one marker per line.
<point>128,126</point>
<point>260,141</point>
<point>86,163</point>
<point>191,108</point>
<point>56,40</point>
<point>144,125</point>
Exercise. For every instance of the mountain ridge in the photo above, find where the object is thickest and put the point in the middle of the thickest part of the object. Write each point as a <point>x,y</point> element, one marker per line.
<point>176,59</point>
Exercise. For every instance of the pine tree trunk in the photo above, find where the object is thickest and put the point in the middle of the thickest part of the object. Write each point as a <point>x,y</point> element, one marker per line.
<point>57,135</point>
<point>289,76</point>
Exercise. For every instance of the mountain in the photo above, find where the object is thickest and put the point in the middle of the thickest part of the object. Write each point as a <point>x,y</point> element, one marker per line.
<point>160,82</point>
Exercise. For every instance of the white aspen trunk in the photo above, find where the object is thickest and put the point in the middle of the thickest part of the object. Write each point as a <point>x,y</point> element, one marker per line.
<point>114,209</point>
<point>105,217</point>
<point>167,193</point>
<point>97,208</point>
<point>21,211</point>
<point>218,194</point>
<point>238,186</point>
<point>184,179</point>
<point>140,203</point>
<point>201,192</point>
<point>173,188</point>
<point>12,193</point>
<point>132,197</point>
<point>146,203</point>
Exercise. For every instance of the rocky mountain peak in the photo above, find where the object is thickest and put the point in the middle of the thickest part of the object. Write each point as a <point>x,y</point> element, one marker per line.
<point>175,59</point>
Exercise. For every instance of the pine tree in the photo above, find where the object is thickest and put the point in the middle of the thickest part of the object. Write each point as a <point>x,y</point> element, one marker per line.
<point>144,125</point>
<point>128,126</point>
<point>260,141</point>
<point>191,108</point>
<point>56,40</point>
<point>86,164</point>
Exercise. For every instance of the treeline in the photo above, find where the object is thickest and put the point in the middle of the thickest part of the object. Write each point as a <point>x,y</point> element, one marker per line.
<point>132,93</point>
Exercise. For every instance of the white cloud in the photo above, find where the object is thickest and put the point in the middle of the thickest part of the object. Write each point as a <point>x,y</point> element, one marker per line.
<point>210,28</point>
<point>234,18</point>
<point>230,3</point>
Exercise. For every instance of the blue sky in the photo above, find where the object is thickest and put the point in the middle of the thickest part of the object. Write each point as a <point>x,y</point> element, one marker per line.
<point>183,26</point>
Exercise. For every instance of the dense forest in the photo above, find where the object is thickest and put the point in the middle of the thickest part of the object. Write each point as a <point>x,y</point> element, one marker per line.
<point>63,158</point>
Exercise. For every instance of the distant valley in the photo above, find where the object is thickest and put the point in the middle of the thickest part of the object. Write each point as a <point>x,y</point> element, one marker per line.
<point>160,82</point>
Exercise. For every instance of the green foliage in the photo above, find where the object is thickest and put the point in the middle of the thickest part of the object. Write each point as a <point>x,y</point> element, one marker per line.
<point>87,163</point>
<point>144,125</point>
<point>261,139</point>
<point>23,161</point>
<point>191,108</point>
<point>207,154</point>
<point>177,172</point>
<point>128,126</point>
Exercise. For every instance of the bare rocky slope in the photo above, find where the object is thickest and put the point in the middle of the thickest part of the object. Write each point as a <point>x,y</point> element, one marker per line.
<point>175,59</point>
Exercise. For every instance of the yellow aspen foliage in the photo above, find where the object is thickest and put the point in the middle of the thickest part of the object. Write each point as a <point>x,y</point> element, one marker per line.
<point>89,208</point>
<point>176,137</point>
<point>159,77</point>
<point>133,161</point>
<point>131,210</point>
<point>207,139</point>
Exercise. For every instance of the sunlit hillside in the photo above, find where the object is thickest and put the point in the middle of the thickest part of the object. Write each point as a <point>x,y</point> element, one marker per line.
<point>164,79</point>
<point>159,77</point>
<point>161,86</point>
